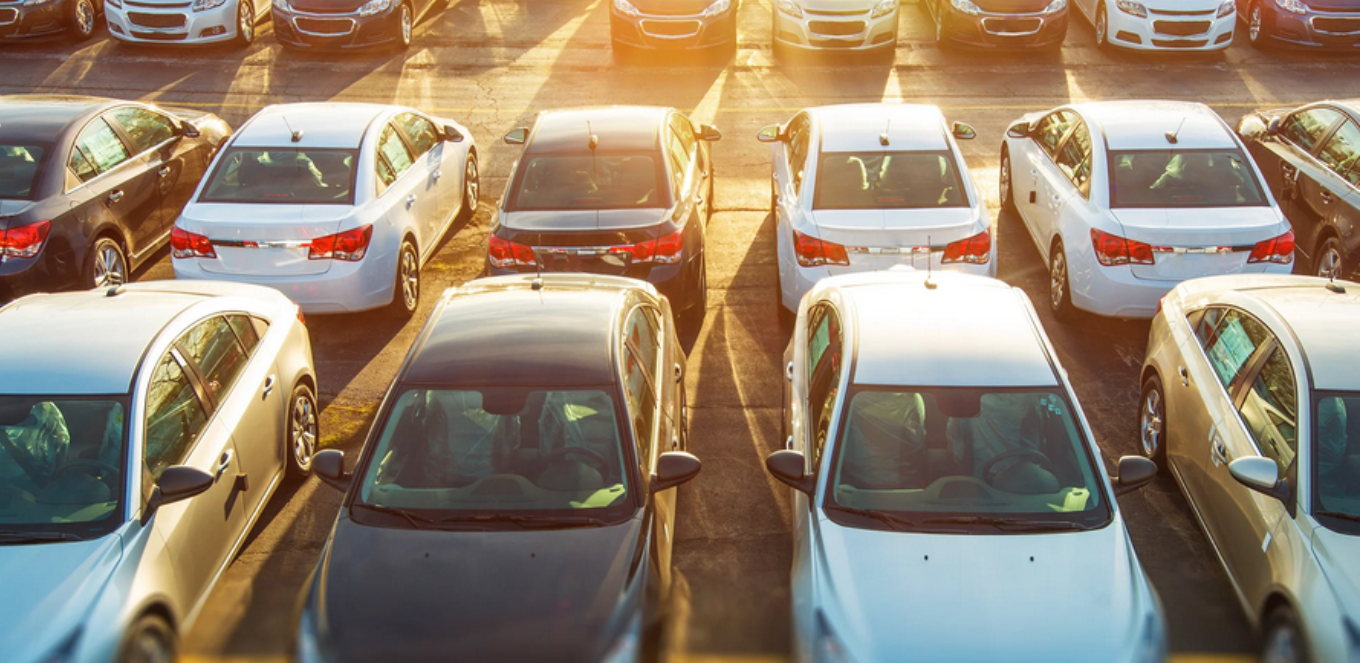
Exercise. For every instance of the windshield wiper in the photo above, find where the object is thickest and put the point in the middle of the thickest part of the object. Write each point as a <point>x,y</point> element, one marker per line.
<point>1337,514</point>
<point>895,522</point>
<point>416,521</point>
<point>16,536</point>
<point>524,520</point>
<point>1017,524</point>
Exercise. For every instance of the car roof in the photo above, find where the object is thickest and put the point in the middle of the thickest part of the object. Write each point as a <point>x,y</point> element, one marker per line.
<point>967,331</point>
<point>331,124</point>
<point>1141,125</point>
<point>857,127</point>
<point>33,118</point>
<point>505,331</point>
<point>618,128</point>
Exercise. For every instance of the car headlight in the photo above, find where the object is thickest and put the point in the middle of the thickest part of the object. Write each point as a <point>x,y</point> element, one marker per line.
<point>717,8</point>
<point>1059,5</point>
<point>281,5</point>
<point>36,3</point>
<point>205,5</point>
<point>1151,643</point>
<point>1227,8</point>
<point>827,648</point>
<point>1131,8</point>
<point>790,7</point>
<point>626,8</point>
<point>627,647</point>
<point>1292,6</point>
<point>966,6</point>
<point>375,7</point>
<point>884,8</point>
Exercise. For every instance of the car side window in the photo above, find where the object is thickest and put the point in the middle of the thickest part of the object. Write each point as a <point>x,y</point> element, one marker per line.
<point>1341,150</point>
<point>679,159</point>
<point>419,131</point>
<point>824,369</point>
<point>147,128</point>
<point>174,416</point>
<point>260,324</point>
<point>80,167</point>
<point>1305,128</point>
<point>799,138</point>
<point>1074,158</point>
<point>101,146</point>
<point>1230,343</point>
<point>245,331</point>
<point>685,132</point>
<point>1270,409</point>
<point>1051,130</point>
<point>213,347</point>
<point>393,158</point>
<point>641,351</point>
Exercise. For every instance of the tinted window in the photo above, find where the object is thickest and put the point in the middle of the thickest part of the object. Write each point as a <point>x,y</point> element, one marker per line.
<point>419,131</point>
<point>605,181</point>
<point>685,132</point>
<point>81,168</point>
<point>146,128</point>
<point>1074,159</point>
<point>1337,457</point>
<point>394,159</point>
<point>213,347</point>
<point>174,416</point>
<point>1341,150</point>
<point>799,138</point>
<point>897,180</point>
<point>641,355</point>
<point>245,331</point>
<point>1270,410</point>
<point>1306,128</point>
<point>102,146</point>
<point>282,176</point>
<point>824,370</point>
<point>1051,129</point>
<point>1183,178</point>
<point>1231,342</point>
<point>679,161</point>
<point>19,170</point>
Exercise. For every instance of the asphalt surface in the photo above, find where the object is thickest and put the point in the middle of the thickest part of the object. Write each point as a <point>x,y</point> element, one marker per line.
<point>491,64</point>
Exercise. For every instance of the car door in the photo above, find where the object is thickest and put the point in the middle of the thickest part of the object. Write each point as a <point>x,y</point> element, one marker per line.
<point>141,188</point>
<point>683,131</point>
<point>403,188</point>
<point>438,160</point>
<point>177,162</point>
<point>179,429</point>
<point>1195,393</point>
<point>1335,198</point>
<point>1064,179</point>
<point>1038,184</point>
<point>109,187</point>
<point>1293,172</point>
<point>640,346</point>
<point>790,165</point>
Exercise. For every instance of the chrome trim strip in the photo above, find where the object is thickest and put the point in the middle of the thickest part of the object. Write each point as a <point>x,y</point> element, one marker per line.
<point>642,24</point>
<point>1355,17</point>
<point>990,31</point>
<point>14,16</point>
<point>250,244</point>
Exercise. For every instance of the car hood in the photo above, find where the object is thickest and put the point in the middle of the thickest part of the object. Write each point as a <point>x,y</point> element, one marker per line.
<point>559,221</point>
<point>1336,554</point>
<point>837,5</point>
<point>975,597</point>
<point>327,6</point>
<point>48,589</point>
<point>415,595</point>
<point>672,7</point>
<point>1183,5</point>
<point>1012,6</point>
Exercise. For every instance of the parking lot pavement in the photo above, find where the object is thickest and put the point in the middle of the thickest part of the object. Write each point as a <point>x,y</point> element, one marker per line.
<point>491,64</point>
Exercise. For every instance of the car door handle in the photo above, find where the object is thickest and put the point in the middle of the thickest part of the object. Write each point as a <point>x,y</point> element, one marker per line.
<point>1034,172</point>
<point>164,172</point>
<point>1326,197</point>
<point>679,371</point>
<point>410,200</point>
<point>788,372</point>
<point>1220,453</point>
<point>788,442</point>
<point>437,174</point>
<point>223,464</point>
<point>1185,375</point>
<point>268,385</point>
<point>675,443</point>
<point>115,197</point>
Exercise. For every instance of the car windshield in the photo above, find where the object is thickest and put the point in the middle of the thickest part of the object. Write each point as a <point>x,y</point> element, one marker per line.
<point>19,170</point>
<point>1183,178</point>
<point>602,181</point>
<point>888,180</point>
<point>940,458</point>
<point>283,176</point>
<point>1337,461</point>
<point>444,452</point>
<point>61,465</point>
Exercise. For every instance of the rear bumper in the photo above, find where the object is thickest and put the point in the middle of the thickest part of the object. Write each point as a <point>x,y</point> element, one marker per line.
<point>335,31</point>
<point>347,287</point>
<point>836,33</point>
<point>1005,31</point>
<point>18,21</point>
<point>674,32</point>
<point>1116,292</point>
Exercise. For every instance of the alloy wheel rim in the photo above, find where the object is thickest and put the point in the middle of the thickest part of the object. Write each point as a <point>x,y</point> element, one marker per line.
<point>85,18</point>
<point>1280,647</point>
<point>1329,263</point>
<point>410,280</point>
<point>1254,26</point>
<point>1152,423</point>
<point>1057,280</point>
<point>247,26</point>
<point>472,185</point>
<point>304,431</point>
<point>405,25</point>
<point>109,268</point>
<point>1005,179</point>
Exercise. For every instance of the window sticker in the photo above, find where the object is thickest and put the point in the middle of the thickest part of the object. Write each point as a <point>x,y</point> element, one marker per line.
<point>1231,350</point>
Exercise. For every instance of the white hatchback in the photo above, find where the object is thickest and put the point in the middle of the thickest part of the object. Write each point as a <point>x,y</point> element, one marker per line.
<point>950,501</point>
<point>864,187</point>
<point>337,205</point>
<point>1125,199</point>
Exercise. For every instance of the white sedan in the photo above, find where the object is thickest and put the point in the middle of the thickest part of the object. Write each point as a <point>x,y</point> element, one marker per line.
<point>185,22</point>
<point>1125,199</point>
<point>950,501</point>
<point>864,187</point>
<point>338,205</point>
<point>1157,25</point>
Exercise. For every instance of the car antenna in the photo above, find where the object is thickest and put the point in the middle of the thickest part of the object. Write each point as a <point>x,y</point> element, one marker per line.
<point>296,135</point>
<point>1173,137</point>
<point>930,285</point>
<point>883,137</point>
<point>1334,286</point>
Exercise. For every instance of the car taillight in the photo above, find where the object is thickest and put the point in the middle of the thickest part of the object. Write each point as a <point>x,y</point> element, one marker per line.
<point>350,245</point>
<point>503,253</point>
<point>184,244</point>
<point>664,250</point>
<point>812,252</point>
<point>1276,249</point>
<point>976,249</point>
<point>301,318</point>
<point>1114,250</point>
<point>22,242</point>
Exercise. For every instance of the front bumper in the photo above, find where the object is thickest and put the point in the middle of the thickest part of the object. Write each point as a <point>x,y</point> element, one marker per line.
<point>144,22</point>
<point>18,21</point>
<point>335,31</point>
<point>347,287</point>
<point>674,32</point>
<point>1317,29</point>
<point>1167,32</point>
<point>795,280</point>
<point>988,30</point>
<point>837,32</point>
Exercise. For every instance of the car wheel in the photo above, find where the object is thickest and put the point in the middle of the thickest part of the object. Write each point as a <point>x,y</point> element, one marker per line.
<point>245,24</point>
<point>694,315</point>
<point>1330,262</point>
<point>1004,183</point>
<point>406,25</point>
<point>106,264</point>
<point>150,640</point>
<point>1152,421</point>
<point>1102,26</point>
<point>82,19</point>
<point>471,187</point>
<point>1059,286</point>
<point>302,432</point>
<point>406,283</point>
<point>1258,25</point>
<point>1283,641</point>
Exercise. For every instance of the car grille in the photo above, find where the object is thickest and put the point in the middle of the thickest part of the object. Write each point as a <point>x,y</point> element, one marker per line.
<point>1179,43</point>
<point>1011,26</point>
<point>154,5</point>
<point>1336,26</point>
<point>324,26</point>
<point>671,28</point>
<point>824,12</point>
<point>161,36</point>
<point>836,28</point>
<point>8,16</point>
<point>156,20</point>
<point>1181,28</point>
<point>1172,12</point>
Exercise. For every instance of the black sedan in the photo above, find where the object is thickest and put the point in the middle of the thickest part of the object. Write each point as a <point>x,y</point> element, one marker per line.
<point>1309,158</point>
<point>999,23</point>
<point>673,24</point>
<point>513,501</point>
<point>341,24</point>
<point>36,18</point>
<point>624,191</point>
<point>90,188</point>
<point>1311,24</point>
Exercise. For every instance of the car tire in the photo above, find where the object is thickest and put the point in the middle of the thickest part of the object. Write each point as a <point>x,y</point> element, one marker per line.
<point>1260,25</point>
<point>149,640</point>
<point>106,264</point>
<point>1283,641</point>
<point>693,316</point>
<point>1006,181</point>
<point>83,19</point>
<point>406,282</point>
<point>1101,24</point>
<point>303,431</point>
<point>406,26</point>
<point>1059,284</point>
<point>472,188</point>
<point>1152,421</point>
<point>1329,261</point>
<point>245,24</point>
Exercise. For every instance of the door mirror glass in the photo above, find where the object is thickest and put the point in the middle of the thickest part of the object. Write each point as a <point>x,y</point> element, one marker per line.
<point>1134,473</point>
<point>329,466</point>
<point>517,136</point>
<point>674,468</point>
<point>769,134</point>
<point>787,466</point>
<point>176,483</point>
<point>1273,127</point>
<point>188,130</point>
<point>1018,130</point>
<point>710,133</point>
<point>452,135</point>
<point>963,131</point>
<point>1259,474</point>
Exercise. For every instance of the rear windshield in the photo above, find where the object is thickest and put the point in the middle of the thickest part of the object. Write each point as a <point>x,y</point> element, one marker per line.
<point>895,180</point>
<point>282,176</point>
<point>604,181</point>
<point>19,170</point>
<point>1183,178</point>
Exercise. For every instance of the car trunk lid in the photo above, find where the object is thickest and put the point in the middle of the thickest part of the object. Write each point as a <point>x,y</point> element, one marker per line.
<point>1189,243</point>
<point>272,240</point>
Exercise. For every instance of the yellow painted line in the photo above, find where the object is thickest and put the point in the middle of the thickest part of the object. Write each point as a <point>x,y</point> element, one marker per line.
<point>720,658</point>
<point>723,111</point>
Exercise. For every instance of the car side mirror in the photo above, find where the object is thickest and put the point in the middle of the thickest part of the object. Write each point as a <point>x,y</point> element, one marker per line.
<point>329,466</point>
<point>1273,127</point>
<point>1261,475</point>
<point>517,136</point>
<point>177,483</point>
<point>709,133</point>
<point>674,468</point>
<point>787,466</point>
<point>188,130</point>
<point>1018,130</point>
<point>1134,472</point>
<point>769,134</point>
<point>963,131</point>
<point>452,134</point>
